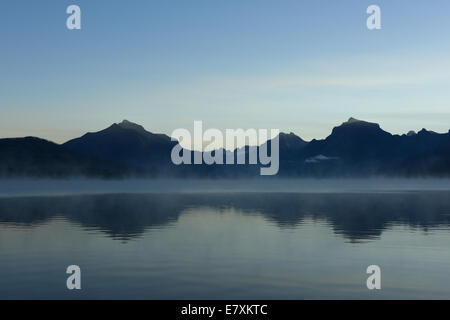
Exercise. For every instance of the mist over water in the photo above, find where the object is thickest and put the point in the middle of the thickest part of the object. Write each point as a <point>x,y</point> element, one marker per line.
<point>17,187</point>
<point>181,239</point>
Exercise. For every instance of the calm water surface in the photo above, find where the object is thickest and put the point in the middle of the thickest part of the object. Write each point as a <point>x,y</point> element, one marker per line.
<point>226,245</point>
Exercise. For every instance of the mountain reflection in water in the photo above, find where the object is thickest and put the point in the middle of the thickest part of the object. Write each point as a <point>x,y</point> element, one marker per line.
<point>126,216</point>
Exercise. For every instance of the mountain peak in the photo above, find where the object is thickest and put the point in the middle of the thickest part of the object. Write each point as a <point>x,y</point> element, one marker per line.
<point>125,124</point>
<point>354,128</point>
<point>353,120</point>
<point>425,131</point>
<point>291,141</point>
<point>290,137</point>
<point>361,124</point>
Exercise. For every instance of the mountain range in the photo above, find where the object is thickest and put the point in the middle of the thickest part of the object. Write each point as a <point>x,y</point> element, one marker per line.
<point>126,149</point>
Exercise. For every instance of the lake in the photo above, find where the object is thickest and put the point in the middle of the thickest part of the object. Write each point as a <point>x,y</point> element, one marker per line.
<point>226,245</point>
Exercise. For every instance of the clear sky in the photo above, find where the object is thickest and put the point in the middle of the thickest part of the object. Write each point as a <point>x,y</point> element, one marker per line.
<point>300,66</point>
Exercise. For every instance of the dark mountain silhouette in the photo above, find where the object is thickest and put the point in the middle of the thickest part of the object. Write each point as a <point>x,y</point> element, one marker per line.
<point>355,148</point>
<point>290,146</point>
<point>40,158</point>
<point>127,144</point>
<point>354,140</point>
<point>360,147</point>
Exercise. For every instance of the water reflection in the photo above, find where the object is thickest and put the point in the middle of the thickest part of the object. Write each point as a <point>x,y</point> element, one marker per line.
<point>356,217</point>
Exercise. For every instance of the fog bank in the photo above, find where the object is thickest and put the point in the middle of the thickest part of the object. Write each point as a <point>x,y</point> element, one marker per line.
<point>26,187</point>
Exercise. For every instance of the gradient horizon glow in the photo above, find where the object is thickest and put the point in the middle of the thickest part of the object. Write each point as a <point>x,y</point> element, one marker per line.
<point>298,66</point>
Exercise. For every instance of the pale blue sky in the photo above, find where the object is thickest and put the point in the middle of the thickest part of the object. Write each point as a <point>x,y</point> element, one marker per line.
<point>300,66</point>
